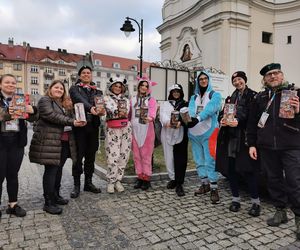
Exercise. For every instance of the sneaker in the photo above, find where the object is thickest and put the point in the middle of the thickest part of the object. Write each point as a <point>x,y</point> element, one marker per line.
<point>235,206</point>
<point>110,188</point>
<point>119,187</point>
<point>254,210</point>
<point>214,196</point>
<point>16,210</point>
<point>203,189</point>
<point>179,191</point>
<point>171,184</point>
<point>279,217</point>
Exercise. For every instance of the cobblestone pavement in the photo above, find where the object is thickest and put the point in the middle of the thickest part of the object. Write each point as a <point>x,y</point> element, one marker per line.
<point>156,219</point>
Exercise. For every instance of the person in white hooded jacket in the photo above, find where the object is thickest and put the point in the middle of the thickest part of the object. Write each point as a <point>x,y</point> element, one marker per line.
<point>174,138</point>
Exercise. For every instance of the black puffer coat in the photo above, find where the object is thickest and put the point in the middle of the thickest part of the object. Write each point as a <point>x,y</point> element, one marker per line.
<point>45,147</point>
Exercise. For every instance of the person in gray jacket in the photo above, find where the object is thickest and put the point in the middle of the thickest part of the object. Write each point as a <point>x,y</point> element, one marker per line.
<point>53,142</point>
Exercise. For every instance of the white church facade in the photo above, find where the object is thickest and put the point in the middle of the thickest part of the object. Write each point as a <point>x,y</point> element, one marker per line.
<point>232,35</point>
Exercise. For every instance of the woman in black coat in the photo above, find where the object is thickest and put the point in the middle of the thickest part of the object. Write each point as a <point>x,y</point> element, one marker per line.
<point>232,159</point>
<point>13,139</point>
<point>53,142</point>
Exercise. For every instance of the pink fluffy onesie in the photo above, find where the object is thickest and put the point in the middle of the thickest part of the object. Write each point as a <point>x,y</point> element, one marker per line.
<point>143,134</point>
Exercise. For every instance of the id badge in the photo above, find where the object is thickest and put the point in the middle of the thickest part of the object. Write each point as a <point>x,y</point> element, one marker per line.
<point>11,126</point>
<point>137,113</point>
<point>199,109</point>
<point>263,119</point>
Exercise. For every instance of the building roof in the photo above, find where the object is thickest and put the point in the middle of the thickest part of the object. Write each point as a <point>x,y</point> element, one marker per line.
<point>39,54</point>
<point>36,55</point>
<point>12,52</point>
<point>125,63</point>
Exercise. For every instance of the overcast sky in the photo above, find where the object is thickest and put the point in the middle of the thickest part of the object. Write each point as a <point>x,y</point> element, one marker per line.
<point>82,25</point>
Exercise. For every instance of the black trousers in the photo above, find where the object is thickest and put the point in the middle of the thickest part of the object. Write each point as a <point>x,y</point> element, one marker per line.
<point>180,152</point>
<point>283,177</point>
<point>52,174</point>
<point>87,142</point>
<point>11,157</point>
<point>250,178</point>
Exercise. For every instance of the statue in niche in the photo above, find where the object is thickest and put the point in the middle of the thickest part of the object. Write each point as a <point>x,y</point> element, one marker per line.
<point>187,54</point>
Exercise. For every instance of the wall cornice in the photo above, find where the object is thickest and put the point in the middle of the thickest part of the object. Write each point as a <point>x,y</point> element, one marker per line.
<point>200,5</point>
<point>192,11</point>
<point>278,7</point>
<point>234,18</point>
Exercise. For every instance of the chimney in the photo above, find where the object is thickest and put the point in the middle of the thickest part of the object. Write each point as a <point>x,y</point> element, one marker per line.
<point>24,44</point>
<point>64,51</point>
<point>47,47</point>
<point>10,42</point>
<point>59,50</point>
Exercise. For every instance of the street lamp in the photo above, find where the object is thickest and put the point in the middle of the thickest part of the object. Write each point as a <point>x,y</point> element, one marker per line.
<point>128,28</point>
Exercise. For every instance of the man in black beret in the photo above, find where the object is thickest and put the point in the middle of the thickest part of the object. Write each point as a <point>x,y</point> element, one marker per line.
<point>276,141</point>
<point>87,138</point>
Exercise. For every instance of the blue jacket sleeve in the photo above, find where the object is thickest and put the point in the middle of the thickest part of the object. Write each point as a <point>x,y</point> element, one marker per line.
<point>212,107</point>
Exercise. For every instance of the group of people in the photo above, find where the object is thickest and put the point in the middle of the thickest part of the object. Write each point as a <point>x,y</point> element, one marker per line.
<point>256,138</point>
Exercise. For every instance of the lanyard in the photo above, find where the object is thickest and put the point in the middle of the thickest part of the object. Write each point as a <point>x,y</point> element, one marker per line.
<point>270,102</point>
<point>6,101</point>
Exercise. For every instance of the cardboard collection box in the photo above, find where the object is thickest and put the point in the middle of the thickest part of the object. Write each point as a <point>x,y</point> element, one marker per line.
<point>285,109</point>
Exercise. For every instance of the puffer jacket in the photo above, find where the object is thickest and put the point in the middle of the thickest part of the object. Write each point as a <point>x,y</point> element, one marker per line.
<point>45,147</point>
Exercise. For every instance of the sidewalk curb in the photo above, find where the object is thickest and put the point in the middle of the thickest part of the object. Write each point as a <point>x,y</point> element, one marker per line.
<point>101,172</point>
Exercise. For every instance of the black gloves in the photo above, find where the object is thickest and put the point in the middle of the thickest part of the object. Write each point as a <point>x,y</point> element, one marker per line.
<point>193,123</point>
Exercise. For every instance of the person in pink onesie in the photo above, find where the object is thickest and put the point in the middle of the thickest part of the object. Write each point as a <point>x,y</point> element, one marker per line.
<point>143,114</point>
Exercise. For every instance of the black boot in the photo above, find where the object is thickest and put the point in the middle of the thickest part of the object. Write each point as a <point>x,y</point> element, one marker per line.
<point>90,187</point>
<point>138,183</point>
<point>76,190</point>
<point>179,190</point>
<point>60,200</point>
<point>50,206</point>
<point>146,185</point>
<point>279,217</point>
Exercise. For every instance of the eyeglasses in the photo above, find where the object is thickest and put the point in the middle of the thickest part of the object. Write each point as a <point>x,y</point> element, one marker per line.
<point>275,73</point>
<point>203,78</point>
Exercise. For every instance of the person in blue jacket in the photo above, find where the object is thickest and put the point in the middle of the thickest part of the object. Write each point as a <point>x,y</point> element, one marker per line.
<point>204,107</point>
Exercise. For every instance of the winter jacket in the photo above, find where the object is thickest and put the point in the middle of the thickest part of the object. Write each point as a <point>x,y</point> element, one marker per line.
<point>80,94</point>
<point>45,147</point>
<point>278,133</point>
<point>232,140</point>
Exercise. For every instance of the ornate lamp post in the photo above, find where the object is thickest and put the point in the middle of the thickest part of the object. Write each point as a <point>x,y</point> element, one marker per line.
<point>128,28</point>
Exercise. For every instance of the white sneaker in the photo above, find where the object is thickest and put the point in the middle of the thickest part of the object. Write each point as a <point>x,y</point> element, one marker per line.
<point>119,187</point>
<point>110,188</point>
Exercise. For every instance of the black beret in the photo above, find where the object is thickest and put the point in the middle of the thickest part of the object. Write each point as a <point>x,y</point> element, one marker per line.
<point>241,74</point>
<point>269,67</point>
<point>84,67</point>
